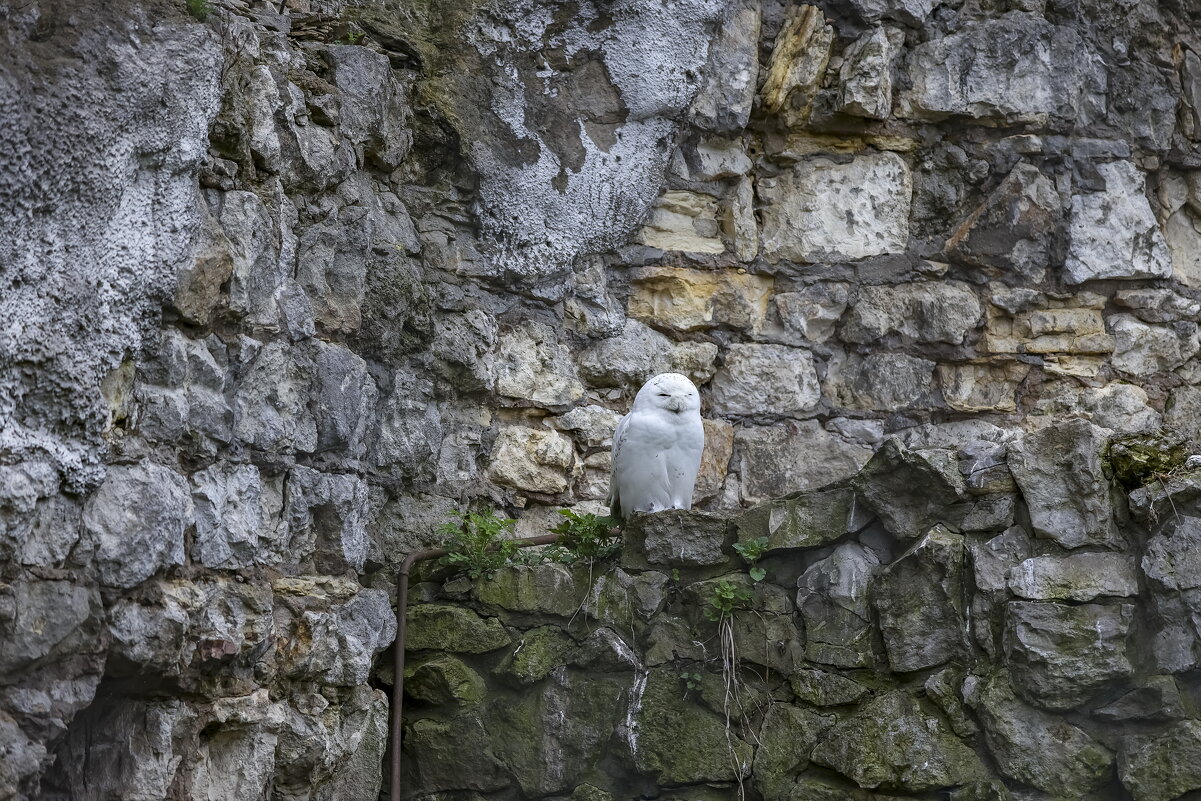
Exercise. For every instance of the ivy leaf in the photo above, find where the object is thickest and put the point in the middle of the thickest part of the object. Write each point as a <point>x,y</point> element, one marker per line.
<point>758,573</point>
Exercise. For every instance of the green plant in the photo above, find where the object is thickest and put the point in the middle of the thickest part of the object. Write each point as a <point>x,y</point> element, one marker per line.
<point>692,681</point>
<point>724,599</point>
<point>477,543</point>
<point>353,37</point>
<point>751,552</point>
<point>583,537</point>
<point>199,9</point>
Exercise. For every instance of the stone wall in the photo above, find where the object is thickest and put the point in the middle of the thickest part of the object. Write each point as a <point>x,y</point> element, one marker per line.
<point>284,283</point>
<point>946,624</point>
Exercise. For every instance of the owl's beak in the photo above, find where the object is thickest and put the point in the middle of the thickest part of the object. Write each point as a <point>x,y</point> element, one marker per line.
<point>676,405</point>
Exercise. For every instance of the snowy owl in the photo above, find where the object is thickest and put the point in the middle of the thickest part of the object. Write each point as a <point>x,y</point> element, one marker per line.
<point>657,448</point>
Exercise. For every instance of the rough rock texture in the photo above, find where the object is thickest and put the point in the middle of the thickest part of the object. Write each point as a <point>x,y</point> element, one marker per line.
<point>283,284</point>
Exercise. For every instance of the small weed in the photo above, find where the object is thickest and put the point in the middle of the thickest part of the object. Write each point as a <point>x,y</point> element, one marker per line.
<point>199,9</point>
<point>725,598</point>
<point>353,37</point>
<point>477,543</point>
<point>692,681</point>
<point>583,537</point>
<point>675,575</point>
<point>751,552</point>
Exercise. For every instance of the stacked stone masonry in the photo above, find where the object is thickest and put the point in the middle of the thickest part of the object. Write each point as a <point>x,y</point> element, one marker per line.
<point>282,284</point>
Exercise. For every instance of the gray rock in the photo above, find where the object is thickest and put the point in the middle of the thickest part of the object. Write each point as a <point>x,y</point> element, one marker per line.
<point>723,104</point>
<point>790,457</point>
<point>1164,764</point>
<point>919,603</point>
<point>910,12</point>
<point>1172,559</point>
<point>1142,349</point>
<point>465,346</point>
<point>813,311</point>
<point>533,365</point>
<point>331,267</point>
<point>532,460</point>
<point>682,539</point>
<point>374,108</point>
<point>1037,748</point>
<point>1016,231</point>
<point>640,352</point>
<point>822,209</point>
<point>821,688</point>
<point>892,743</point>
<point>924,312</point>
<point>1061,656</point>
<point>865,79</point>
<point>1076,577</point>
<point>271,404</point>
<point>832,596</point>
<point>325,515</point>
<point>1113,233</point>
<point>237,519</point>
<point>43,618</point>
<point>345,639</point>
<point>766,380</point>
<point>879,381</point>
<point>1155,699</point>
<point>592,425</point>
<point>409,431</point>
<point>1016,67</point>
<point>787,736</point>
<point>912,490</point>
<point>1060,474</point>
<point>992,560</point>
<point>136,522</point>
<point>801,520</point>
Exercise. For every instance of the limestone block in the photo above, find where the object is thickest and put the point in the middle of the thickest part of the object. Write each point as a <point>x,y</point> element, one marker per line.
<point>1113,233</point>
<point>1162,765</point>
<point>408,435</point>
<point>738,220</point>
<point>639,352</point>
<point>813,311</point>
<point>237,519</point>
<point>1158,304</point>
<point>766,380</point>
<point>781,459</point>
<point>798,64</point>
<point>982,387</point>
<point>532,460</point>
<point>715,459</point>
<point>326,517</point>
<point>880,380</point>
<point>1037,748</point>
<point>919,602</point>
<point>1143,349</point>
<point>821,209</point>
<point>465,346</point>
<point>832,596</point>
<point>724,101</point>
<point>684,221</point>
<point>1061,656</point>
<point>800,520</point>
<point>891,742</point>
<point>136,522</point>
<point>1054,329</point>
<point>691,300</point>
<point>993,559</point>
<point>925,312</point>
<point>592,425</point>
<point>865,80</point>
<point>912,490</point>
<point>1060,473</point>
<point>1075,577</point>
<point>1016,67</point>
<point>1014,232</point>
<point>533,364</point>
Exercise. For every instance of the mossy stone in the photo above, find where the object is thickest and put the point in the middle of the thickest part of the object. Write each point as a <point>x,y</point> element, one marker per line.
<point>537,652</point>
<point>820,688</point>
<point>1162,764</point>
<point>549,589</point>
<point>786,738</point>
<point>679,742</point>
<point>453,628</point>
<point>803,520</point>
<point>892,743</point>
<point>453,754</point>
<point>444,679</point>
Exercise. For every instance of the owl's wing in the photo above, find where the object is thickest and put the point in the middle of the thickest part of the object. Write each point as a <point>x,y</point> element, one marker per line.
<point>618,438</point>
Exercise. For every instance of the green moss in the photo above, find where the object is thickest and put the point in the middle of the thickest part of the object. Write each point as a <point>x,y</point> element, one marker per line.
<point>1136,459</point>
<point>803,520</point>
<point>551,589</point>
<point>453,628</point>
<point>444,680</point>
<point>537,653</point>
<point>680,742</point>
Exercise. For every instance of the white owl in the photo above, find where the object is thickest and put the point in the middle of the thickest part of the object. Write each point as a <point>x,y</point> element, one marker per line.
<point>657,448</point>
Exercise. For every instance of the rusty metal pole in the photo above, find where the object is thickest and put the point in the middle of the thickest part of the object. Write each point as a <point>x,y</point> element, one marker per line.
<point>398,647</point>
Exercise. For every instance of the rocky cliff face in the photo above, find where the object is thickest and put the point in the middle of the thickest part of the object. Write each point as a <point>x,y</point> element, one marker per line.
<point>928,629</point>
<point>282,284</point>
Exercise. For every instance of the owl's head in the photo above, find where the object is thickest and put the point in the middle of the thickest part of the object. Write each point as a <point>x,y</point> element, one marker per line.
<point>669,391</point>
